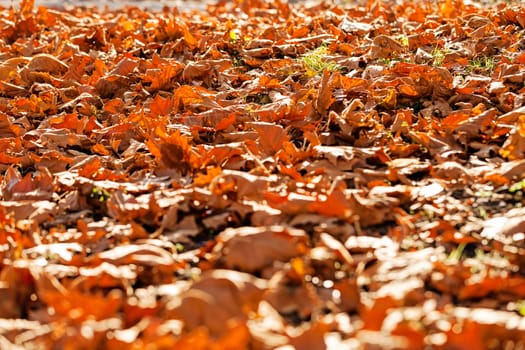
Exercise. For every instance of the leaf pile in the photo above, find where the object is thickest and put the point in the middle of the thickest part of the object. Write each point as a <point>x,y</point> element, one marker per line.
<point>263,175</point>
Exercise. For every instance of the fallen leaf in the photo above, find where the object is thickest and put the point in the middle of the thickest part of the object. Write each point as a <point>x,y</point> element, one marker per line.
<point>220,300</point>
<point>514,146</point>
<point>251,249</point>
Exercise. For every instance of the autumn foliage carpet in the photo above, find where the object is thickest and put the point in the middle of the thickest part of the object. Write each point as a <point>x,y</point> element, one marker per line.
<point>263,175</point>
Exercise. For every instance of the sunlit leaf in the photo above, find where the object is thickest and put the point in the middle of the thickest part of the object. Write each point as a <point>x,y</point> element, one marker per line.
<point>251,249</point>
<point>262,174</point>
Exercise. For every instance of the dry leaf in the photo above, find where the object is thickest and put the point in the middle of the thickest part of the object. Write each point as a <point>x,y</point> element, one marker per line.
<point>251,249</point>
<point>262,175</point>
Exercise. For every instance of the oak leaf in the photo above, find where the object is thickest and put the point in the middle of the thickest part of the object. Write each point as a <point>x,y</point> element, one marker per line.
<point>251,249</point>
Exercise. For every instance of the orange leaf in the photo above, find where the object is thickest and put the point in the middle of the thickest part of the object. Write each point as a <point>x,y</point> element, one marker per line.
<point>114,106</point>
<point>211,173</point>
<point>312,338</point>
<point>514,146</point>
<point>521,58</point>
<point>185,96</point>
<point>160,106</point>
<point>374,315</point>
<point>290,171</point>
<point>334,204</point>
<point>348,83</point>
<point>408,90</point>
<point>90,168</point>
<point>226,122</point>
<point>271,136</point>
<point>26,8</point>
<point>454,119</point>
<point>324,96</point>
<point>268,83</point>
<point>153,148</point>
<point>100,149</point>
<point>237,337</point>
<point>188,37</point>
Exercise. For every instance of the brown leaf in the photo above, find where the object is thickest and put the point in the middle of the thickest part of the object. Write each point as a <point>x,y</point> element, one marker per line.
<point>271,136</point>
<point>47,63</point>
<point>338,248</point>
<point>512,117</point>
<point>514,146</point>
<point>39,211</point>
<point>324,96</point>
<point>290,296</point>
<point>312,338</point>
<point>8,68</point>
<point>345,157</point>
<point>219,300</point>
<point>16,285</point>
<point>385,47</point>
<point>205,70</point>
<point>139,254</point>
<point>125,66</point>
<point>251,249</point>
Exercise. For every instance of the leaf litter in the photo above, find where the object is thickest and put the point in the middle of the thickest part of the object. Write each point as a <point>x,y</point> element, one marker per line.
<point>263,175</point>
